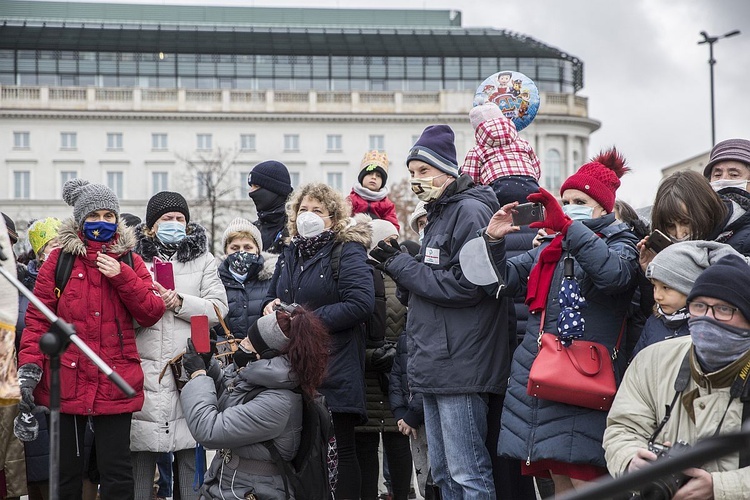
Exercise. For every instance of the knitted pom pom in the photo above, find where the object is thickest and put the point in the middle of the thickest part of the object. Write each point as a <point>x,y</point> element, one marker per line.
<point>72,190</point>
<point>613,160</point>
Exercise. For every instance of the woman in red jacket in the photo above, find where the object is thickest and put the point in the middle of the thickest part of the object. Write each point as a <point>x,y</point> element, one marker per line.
<point>102,299</point>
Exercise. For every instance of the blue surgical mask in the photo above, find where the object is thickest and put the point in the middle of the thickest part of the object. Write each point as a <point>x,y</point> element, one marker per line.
<point>99,230</point>
<point>171,231</point>
<point>578,212</point>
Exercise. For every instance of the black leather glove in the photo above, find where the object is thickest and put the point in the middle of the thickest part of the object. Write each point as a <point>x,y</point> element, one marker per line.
<point>192,361</point>
<point>384,251</point>
<point>382,358</point>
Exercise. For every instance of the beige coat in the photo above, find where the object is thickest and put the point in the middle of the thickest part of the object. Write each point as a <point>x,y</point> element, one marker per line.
<point>646,390</point>
<point>160,426</point>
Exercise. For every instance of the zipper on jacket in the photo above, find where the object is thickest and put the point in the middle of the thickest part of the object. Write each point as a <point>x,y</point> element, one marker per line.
<point>75,429</point>
<point>533,432</point>
<point>119,335</point>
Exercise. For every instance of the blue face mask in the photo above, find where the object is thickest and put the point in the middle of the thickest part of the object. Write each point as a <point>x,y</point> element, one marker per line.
<point>99,230</point>
<point>578,212</point>
<point>171,231</point>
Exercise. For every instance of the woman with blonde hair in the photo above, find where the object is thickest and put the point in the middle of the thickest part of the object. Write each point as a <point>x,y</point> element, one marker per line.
<point>324,268</point>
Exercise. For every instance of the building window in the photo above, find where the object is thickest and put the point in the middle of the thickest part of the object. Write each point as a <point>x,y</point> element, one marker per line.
<point>21,185</point>
<point>203,180</point>
<point>294,177</point>
<point>247,142</point>
<point>414,139</point>
<point>21,140</point>
<point>244,187</point>
<point>68,140</point>
<point>159,181</point>
<point>205,142</point>
<point>333,143</point>
<point>159,142</point>
<point>335,180</point>
<point>552,170</point>
<point>291,143</point>
<point>114,182</point>
<point>114,141</point>
<point>67,175</point>
<point>377,142</point>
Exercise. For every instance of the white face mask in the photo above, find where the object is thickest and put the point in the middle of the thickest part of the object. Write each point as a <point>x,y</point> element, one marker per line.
<point>729,183</point>
<point>421,235</point>
<point>309,224</point>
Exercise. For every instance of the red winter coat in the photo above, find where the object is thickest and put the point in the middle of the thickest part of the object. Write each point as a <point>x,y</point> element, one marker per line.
<point>102,310</point>
<point>383,209</point>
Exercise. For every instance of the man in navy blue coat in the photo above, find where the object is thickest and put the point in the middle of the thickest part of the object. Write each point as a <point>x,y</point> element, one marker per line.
<point>457,334</point>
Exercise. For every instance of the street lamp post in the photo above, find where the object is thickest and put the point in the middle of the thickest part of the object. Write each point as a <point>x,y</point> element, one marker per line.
<point>711,40</point>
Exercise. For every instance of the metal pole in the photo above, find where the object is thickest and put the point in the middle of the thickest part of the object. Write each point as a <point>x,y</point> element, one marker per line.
<point>711,62</point>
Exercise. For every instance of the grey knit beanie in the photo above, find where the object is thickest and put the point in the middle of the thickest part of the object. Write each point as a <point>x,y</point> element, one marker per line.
<point>85,198</point>
<point>267,337</point>
<point>680,264</point>
<point>244,225</point>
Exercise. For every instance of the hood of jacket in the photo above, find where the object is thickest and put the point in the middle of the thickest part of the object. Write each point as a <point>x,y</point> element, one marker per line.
<point>274,373</point>
<point>71,242</point>
<point>496,133</point>
<point>462,188</point>
<point>738,208</point>
<point>191,247</point>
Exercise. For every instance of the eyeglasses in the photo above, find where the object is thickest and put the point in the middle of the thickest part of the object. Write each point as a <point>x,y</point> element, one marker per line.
<point>720,311</point>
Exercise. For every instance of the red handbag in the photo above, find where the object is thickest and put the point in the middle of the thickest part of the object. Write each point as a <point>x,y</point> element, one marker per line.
<point>581,374</point>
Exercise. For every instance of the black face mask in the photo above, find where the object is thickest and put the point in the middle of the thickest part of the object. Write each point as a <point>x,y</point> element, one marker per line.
<point>265,199</point>
<point>242,357</point>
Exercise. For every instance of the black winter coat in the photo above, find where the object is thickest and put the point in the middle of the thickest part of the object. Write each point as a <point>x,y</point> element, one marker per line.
<point>342,306</point>
<point>272,226</point>
<point>657,328</point>
<point>735,231</point>
<point>245,299</point>
<point>457,332</point>
<point>405,404</point>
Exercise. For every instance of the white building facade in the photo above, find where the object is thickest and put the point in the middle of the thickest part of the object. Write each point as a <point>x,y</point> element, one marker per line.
<point>134,132</point>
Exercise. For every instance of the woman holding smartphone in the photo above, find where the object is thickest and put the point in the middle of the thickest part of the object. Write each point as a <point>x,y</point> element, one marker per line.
<point>321,234</point>
<point>168,236</point>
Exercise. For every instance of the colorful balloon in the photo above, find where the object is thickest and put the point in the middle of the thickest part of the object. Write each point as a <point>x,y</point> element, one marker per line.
<point>514,93</point>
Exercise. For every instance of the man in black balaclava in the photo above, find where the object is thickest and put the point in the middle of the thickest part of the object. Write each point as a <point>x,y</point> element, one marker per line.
<point>270,187</point>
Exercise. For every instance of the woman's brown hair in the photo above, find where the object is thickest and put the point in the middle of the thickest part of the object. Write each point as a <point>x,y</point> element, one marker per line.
<point>687,197</point>
<point>337,206</point>
<point>307,349</point>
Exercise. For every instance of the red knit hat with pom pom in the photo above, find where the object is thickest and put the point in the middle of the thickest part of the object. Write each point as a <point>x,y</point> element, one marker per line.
<point>599,178</point>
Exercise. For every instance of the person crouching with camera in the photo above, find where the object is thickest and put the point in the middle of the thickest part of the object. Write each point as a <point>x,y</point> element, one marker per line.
<point>701,378</point>
<point>283,352</point>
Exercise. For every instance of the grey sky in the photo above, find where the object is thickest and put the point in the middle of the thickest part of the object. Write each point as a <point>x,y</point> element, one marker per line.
<point>646,78</point>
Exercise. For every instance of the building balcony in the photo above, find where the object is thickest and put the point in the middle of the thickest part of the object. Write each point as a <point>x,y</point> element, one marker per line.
<point>80,99</point>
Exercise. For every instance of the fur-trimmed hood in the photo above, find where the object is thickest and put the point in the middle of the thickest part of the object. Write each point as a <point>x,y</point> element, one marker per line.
<point>71,242</point>
<point>191,247</point>
<point>358,231</point>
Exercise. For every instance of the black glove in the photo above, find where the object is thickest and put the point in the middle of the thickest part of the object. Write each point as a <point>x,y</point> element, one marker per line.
<point>384,251</point>
<point>192,361</point>
<point>382,358</point>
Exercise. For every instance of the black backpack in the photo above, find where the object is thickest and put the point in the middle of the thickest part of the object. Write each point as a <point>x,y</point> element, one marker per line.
<point>313,472</point>
<point>65,266</point>
<point>374,326</point>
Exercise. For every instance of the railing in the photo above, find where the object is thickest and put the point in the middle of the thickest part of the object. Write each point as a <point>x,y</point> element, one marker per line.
<point>261,101</point>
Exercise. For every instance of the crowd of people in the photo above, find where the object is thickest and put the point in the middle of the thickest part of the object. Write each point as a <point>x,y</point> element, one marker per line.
<point>322,295</point>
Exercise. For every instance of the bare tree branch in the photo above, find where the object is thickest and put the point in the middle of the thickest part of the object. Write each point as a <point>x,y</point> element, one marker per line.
<point>212,185</point>
<point>406,201</point>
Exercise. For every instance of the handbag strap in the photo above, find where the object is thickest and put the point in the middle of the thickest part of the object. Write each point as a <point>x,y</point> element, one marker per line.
<point>227,333</point>
<point>615,350</point>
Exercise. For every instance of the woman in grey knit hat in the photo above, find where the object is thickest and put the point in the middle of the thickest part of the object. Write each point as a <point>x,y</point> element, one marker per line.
<point>109,290</point>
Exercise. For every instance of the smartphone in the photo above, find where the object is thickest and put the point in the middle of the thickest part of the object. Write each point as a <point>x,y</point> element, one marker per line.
<point>199,333</point>
<point>163,273</point>
<point>526,213</point>
<point>658,241</point>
